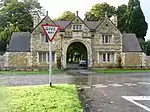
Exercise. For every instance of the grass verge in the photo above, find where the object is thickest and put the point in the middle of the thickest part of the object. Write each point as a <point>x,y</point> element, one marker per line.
<point>29,72</point>
<point>119,71</point>
<point>60,98</point>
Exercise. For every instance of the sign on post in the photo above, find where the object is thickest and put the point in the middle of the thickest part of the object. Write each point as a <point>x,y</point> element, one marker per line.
<point>50,32</point>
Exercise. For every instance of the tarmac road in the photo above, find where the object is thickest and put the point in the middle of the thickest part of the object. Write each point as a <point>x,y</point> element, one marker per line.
<point>119,93</point>
<point>102,93</point>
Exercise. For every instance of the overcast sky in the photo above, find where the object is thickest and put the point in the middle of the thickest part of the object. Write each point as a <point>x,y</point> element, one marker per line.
<point>57,7</point>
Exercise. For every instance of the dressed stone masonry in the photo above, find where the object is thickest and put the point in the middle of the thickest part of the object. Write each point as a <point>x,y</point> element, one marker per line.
<point>103,41</point>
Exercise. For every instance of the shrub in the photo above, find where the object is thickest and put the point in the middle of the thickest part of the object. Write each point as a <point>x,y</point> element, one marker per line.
<point>119,63</point>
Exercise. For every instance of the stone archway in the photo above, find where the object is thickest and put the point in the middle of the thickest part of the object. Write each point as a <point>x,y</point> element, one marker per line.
<point>77,55</point>
<point>77,41</point>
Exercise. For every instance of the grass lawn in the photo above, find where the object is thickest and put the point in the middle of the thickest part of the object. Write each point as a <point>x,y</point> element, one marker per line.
<point>119,71</point>
<point>60,98</point>
<point>29,72</point>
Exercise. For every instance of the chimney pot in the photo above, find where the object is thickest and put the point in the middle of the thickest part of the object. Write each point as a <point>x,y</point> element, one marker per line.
<point>46,13</point>
<point>77,13</point>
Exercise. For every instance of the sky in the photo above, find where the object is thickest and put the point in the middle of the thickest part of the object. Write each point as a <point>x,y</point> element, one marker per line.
<point>57,7</point>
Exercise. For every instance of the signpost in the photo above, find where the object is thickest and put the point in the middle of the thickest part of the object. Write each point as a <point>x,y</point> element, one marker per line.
<point>50,32</point>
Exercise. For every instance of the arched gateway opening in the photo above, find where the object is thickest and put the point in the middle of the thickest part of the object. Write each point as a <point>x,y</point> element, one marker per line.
<point>77,56</point>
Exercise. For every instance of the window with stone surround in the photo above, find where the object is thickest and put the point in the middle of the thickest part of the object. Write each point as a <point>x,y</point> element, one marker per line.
<point>107,39</point>
<point>43,38</point>
<point>44,56</point>
<point>106,57</point>
<point>77,27</point>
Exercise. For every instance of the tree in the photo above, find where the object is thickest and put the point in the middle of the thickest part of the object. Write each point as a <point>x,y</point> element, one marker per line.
<point>135,19</point>
<point>90,17</point>
<point>5,36</point>
<point>66,16</point>
<point>32,4</point>
<point>121,15</point>
<point>147,47</point>
<point>98,11</point>
<point>16,14</point>
<point>142,44</point>
<point>119,59</point>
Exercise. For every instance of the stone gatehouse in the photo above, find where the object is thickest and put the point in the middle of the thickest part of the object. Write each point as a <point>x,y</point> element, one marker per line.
<point>103,42</point>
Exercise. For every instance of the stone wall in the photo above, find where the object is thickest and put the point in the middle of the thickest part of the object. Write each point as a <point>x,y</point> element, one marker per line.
<point>108,28</point>
<point>60,43</point>
<point>132,59</point>
<point>18,59</point>
<point>1,61</point>
<point>92,41</point>
<point>98,63</point>
<point>147,61</point>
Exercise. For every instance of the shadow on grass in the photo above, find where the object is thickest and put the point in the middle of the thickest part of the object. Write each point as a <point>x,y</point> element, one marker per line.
<point>60,87</point>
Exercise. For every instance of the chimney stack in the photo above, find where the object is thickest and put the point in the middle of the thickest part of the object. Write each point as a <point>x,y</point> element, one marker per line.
<point>77,13</point>
<point>46,13</point>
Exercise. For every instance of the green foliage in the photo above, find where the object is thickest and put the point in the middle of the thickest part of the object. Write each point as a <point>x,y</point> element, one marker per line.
<point>76,51</point>
<point>15,16</point>
<point>135,19</point>
<point>6,2</point>
<point>98,11</point>
<point>142,44</point>
<point>5,35</point>
<point>59,65</point>
<point>60,98</point>
<point>120,71</point>
<point>2,99</point>
<point>119,63</point>
<point>32,4</point>
<point>121,14</point>
<point>66,16</point>
<point>147,47</point>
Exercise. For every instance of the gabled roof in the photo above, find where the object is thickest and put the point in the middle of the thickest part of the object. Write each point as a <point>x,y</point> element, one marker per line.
<point>62,24</point>
<point>148,57</point>
<point>79,19</point>
<point>19,42</point>
<point>92,24</point>
<point>130,43</point>
<point>42,21</point>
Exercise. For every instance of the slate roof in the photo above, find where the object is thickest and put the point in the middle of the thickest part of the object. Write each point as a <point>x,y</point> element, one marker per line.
<point>130,43</point>
<point>42,21</point>
<point>62,24</point>
<point>148,57</point>
<point>91,24</point>
<point>20,42</point>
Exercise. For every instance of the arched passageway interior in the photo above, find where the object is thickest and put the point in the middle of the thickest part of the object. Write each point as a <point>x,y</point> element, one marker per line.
<point>77,55</point>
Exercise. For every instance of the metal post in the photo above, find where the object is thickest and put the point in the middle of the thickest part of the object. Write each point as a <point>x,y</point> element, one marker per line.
<point>50,64</point>
<point>61,52</point>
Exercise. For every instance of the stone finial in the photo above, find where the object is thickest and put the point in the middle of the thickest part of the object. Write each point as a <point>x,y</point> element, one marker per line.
<point>106,14</point>
<point>77,13</point>
<point>46,13</point>
<point>114,19</point>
